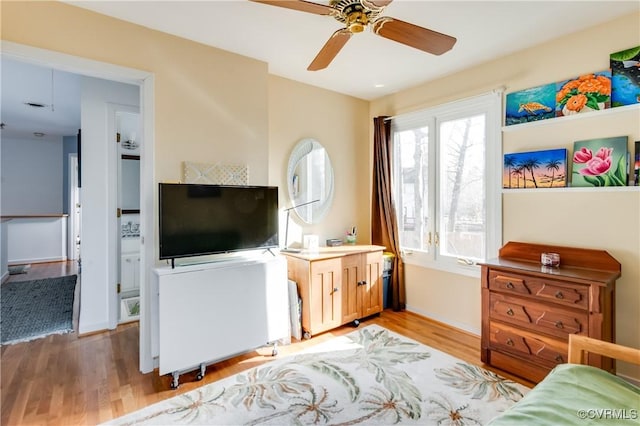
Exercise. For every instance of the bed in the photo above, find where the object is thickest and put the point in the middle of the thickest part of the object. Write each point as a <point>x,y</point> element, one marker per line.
<point>577,394</point>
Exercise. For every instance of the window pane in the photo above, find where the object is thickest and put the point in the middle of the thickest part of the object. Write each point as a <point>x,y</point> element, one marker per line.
<point>461,181</point>
<point>412,159</point>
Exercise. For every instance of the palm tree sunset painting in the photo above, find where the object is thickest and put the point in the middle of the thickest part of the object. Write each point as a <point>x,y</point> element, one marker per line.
<point>536,169</point>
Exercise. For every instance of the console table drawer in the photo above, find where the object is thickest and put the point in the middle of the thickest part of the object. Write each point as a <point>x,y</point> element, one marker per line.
<point>545,290</point>
<point>552,320</point>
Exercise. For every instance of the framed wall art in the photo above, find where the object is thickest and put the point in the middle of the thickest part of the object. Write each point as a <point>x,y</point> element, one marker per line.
<point>536,103</point>
<point>625,77</point>
<point>586,93</point>
<point>636,165</point>
<point>535,169</point>
<point>600,162</point>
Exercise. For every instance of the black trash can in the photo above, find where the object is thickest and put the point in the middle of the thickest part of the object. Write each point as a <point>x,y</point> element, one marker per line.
<point>386,279</point>
<point>386,288</point>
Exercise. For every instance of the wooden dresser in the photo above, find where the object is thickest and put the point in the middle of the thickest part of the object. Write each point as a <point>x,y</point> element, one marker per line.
<point>337,285</point>
<point>529,310</point>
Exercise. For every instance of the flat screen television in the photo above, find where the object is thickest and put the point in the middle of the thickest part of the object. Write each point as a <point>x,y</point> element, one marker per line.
<point>197,220</point>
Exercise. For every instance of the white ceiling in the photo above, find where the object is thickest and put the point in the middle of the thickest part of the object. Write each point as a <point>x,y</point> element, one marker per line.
<point>287,40</point>
<point>57,91</point>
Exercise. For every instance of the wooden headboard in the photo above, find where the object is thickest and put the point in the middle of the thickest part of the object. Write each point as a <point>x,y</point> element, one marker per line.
<point>579,345</point>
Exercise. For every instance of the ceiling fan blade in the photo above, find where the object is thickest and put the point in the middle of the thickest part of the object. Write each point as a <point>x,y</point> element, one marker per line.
<point>412,35</point>
<point>301,5</point>
<point>330,49</point>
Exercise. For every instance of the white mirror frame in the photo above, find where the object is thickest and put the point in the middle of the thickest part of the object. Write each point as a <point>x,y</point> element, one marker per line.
<point>315,212</point>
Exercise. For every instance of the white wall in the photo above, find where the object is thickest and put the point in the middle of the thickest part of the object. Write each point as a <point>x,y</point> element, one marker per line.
<point>31,176</point>
<point>99,230</point>
<point>36,240</point>
<point>4,268</point>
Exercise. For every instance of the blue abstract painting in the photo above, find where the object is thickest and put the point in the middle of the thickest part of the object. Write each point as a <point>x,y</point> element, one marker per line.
<point>625,79</point>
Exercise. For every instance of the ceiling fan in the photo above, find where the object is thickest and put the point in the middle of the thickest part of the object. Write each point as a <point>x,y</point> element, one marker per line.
<point>356,15</point>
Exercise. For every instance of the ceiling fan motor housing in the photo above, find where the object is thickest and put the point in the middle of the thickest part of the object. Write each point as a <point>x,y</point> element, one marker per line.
<point>355,14</point>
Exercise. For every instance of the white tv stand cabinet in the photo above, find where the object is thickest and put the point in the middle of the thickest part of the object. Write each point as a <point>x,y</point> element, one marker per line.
<point>211,311</point>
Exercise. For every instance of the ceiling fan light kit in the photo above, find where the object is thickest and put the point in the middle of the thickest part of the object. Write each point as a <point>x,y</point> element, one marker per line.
<point>356,15</point>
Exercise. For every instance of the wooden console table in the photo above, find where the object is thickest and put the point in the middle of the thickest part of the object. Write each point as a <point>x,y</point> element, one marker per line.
<point>337,285</point>
<point>529,310</point>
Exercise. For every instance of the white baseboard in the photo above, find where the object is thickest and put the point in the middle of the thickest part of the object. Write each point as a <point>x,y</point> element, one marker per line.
<point>461,326</point>
<point>93,328</point>
<point>38,260</point>
<point>5,277</point>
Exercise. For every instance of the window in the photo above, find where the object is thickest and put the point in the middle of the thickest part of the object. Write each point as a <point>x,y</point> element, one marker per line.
<point>446,183</point>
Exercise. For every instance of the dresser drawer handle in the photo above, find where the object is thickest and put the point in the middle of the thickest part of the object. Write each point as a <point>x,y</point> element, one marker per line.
<point>510,285</point>
<point>510,312</point>
<point>335,289</point>
<point>559,324</point>
<point>559,295</point>
<point>510,342</point>
<point>559,358</point>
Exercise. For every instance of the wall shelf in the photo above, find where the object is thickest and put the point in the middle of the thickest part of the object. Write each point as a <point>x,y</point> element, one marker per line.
<point>572,189</point>
<point>592,114</point>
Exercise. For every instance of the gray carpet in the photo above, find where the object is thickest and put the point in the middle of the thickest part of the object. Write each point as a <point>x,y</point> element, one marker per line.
<point>34,309</point>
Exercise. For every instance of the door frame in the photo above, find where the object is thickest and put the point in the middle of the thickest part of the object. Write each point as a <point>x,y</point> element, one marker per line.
<point>148,195</point>
<point>73,226</point>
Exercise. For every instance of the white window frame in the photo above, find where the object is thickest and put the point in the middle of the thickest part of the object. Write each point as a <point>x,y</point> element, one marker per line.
<point>490,105</point>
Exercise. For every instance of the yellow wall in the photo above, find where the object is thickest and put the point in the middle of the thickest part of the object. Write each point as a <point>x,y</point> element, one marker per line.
<point>606,219</point>
<point>339,123</point>
<point>213,106</point>
<point>210,105</point>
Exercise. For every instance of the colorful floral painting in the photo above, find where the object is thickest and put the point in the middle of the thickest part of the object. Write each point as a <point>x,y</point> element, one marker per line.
<point>536,169</point>
<point>625,77</point>
<point>537,103</point>
<point>600,162</point>
<point>589,92</point>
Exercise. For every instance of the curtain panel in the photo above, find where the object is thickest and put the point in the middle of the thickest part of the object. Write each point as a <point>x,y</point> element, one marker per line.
<point>384,224</point>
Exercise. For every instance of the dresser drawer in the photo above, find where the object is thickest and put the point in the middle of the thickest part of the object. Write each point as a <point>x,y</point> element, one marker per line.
<point>530,346</point>
<point>538,317</point>
<point>546,290</point>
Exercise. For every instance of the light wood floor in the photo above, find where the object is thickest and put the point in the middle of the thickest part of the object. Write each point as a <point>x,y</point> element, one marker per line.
<point>71,380</point>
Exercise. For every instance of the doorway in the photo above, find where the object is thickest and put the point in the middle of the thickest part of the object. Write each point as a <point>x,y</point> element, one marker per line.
<point>126,135</point>
<point>97,313</point>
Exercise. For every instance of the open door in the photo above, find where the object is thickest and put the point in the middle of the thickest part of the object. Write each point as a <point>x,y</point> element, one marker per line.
<point>127,137</point>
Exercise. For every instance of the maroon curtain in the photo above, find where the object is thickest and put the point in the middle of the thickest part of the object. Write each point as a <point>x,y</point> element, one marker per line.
<point>384,226</point>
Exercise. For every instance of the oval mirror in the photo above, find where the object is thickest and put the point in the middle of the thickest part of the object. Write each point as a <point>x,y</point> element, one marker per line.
<point>310,180</point>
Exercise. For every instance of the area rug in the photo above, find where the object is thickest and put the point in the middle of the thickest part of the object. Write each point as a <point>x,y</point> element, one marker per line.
<point>38,308</point>
<point>369,376</point>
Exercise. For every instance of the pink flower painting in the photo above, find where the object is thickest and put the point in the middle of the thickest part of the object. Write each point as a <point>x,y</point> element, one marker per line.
<point>607,167</point>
